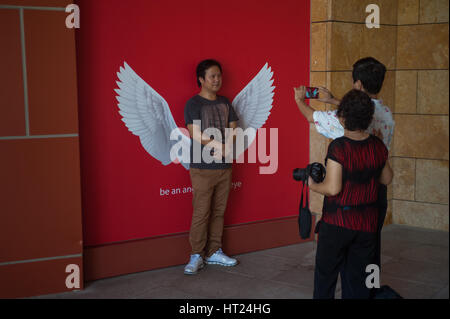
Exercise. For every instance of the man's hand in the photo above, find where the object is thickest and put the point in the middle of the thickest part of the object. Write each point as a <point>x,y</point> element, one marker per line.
<point>217,153</point>
<point>300,94</point>
<point>325,96</point>
<point>223,152</point>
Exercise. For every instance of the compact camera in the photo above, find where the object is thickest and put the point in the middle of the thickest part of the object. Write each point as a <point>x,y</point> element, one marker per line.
<point>312,93</point>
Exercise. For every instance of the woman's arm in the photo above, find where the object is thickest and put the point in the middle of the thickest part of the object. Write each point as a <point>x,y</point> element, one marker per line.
<point>386,174</point>
<point>332,184</point>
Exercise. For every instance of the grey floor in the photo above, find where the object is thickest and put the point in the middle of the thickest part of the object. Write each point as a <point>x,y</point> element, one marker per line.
<point>414,263</point>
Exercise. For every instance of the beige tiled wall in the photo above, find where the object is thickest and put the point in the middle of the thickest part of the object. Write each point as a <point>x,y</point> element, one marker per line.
<point>413,44</point>
<point>421,138</point>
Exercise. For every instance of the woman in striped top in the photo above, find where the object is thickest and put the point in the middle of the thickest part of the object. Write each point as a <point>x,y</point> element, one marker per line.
<point>356,165</point>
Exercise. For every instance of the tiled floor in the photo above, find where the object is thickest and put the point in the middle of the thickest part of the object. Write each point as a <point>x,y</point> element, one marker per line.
<point>415,264</point>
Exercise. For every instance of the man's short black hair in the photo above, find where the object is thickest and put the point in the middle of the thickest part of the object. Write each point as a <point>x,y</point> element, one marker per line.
<point>356,108</point>
<point>205,65</point>
<point>371,73</point>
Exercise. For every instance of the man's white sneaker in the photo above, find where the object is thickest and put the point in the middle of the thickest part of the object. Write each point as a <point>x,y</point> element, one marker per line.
<point>194,265</point>
<point>219,258</point>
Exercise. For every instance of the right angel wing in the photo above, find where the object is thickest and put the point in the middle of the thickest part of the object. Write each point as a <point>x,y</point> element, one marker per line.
<point>147,115</point>
<point>253,104</point>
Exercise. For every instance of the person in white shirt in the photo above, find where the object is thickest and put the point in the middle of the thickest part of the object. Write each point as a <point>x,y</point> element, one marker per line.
<point>368,76</point>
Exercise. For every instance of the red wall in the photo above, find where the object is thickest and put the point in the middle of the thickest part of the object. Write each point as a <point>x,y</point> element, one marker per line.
<point>163,41</point>
<point>40,192</point>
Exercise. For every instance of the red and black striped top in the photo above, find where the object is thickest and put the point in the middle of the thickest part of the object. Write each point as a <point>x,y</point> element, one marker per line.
<point>355,207</point>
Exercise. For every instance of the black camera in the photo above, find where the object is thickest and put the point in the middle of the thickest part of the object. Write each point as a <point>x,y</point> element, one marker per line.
<point>316,170</point>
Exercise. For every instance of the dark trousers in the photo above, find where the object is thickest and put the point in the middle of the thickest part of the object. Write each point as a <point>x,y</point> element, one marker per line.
<point>382,209</point>
<point>343,250</point>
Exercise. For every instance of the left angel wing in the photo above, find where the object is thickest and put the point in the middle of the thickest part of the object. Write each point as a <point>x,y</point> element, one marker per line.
<point>253,104</point>
<point>148,116</point>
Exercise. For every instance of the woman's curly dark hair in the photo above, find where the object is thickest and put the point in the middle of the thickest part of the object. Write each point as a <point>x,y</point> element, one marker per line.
<point>356,108</point>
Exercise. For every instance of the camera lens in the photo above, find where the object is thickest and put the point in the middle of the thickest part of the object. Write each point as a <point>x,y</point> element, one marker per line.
<point>317,172</point>
<point>299,174</point>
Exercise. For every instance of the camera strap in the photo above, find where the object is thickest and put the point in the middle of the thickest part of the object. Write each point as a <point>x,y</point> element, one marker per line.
<point>306,193</point>
<point>304,214</point>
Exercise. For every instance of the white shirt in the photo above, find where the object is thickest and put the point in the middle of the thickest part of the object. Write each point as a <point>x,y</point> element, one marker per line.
<point>327,123</point>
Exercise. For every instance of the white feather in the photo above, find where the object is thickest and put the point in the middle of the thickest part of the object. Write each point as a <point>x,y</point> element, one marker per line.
<point>147,115</point>
<point>254,102</point>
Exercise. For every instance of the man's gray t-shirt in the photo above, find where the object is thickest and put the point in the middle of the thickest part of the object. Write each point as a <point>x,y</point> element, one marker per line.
<point>212,114</point>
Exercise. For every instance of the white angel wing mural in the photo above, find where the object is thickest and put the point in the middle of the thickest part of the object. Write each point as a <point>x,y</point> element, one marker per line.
<point>147,115</point>
<point>253,105</point>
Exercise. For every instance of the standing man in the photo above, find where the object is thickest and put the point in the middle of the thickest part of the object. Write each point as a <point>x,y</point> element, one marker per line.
<point>368,76</point>
<point>207,115</point>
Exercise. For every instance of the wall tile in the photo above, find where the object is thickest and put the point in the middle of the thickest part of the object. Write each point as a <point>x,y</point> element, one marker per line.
<point>432,181</point>
<point>388,10</point>
<point>421,136</point>
<point>317,79</point>
<point>403,184</point>
<point>37,278</point>
<point>432,216</point>
<point>433,95</point>
<point>319,10</point>
<point>348,10</point>
<point>355,10</point>
<point>388,219</point>
<point>406,92</point>
<point>345,45</point>
<point>340,83</point>
<point>389,187</point>
<point>432,11</point>
<point>12,105</point>
<point>408,12</point>
<point>318,46</point>
<point>387,93</point>
<point>41,200</point>
<point>380,44</point>
<point>52,75</point>
<point>422,47</point>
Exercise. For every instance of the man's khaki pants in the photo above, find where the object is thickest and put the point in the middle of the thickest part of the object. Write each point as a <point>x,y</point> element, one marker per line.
<point>210,195</point>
